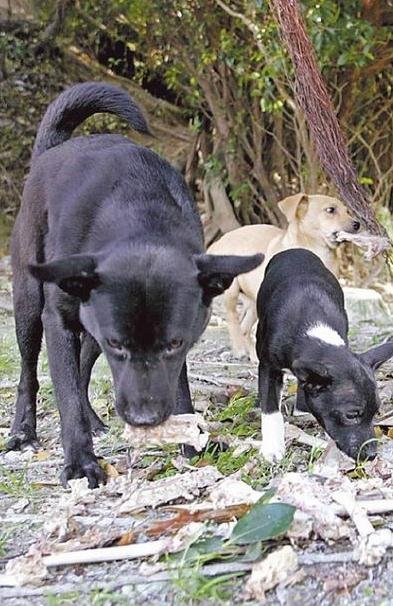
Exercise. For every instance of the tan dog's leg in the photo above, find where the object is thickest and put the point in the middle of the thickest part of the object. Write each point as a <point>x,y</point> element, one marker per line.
<point>247,323</point>
<point>238,342</point>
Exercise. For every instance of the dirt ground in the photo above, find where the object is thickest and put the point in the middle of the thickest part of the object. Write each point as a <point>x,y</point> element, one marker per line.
<point>223,390</point>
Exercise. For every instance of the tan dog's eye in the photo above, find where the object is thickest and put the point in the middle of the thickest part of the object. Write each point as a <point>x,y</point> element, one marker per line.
<point>114,343</point>
<point>174,344</point>
<point>331,210</point>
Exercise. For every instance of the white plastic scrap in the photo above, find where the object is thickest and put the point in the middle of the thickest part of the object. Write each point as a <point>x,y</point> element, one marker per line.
<point>177,429</point>
<point>277,568</point>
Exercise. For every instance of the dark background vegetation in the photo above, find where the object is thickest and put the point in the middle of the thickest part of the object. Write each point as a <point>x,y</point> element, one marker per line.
<point>215,83</point>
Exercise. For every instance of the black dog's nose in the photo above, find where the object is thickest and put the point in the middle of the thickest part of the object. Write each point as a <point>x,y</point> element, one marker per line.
<point>355,225</point>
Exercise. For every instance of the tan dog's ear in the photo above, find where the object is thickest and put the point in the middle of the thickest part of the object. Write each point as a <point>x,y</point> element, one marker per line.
<point>294,206</point>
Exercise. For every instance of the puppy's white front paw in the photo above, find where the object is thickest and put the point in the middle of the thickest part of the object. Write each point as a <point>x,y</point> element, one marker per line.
<point>272,452</point>
<point>273,437</point>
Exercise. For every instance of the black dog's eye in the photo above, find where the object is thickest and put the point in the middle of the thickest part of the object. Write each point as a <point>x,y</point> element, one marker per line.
<point>174,344</point>
<point>330,210</point>
<point>114,343</point>
<point>352,414</point>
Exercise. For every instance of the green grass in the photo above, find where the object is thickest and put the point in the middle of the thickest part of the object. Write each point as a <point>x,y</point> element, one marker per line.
<point>70,597</point>
<point>15,483</point>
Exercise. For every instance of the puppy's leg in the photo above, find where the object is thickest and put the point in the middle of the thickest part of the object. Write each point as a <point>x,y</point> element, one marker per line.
<point>269,390</point>
<point>28,307</point>
<point>301,404</point>
<point>63,354</point>
<point>239,345</point>
<point>90,351</point>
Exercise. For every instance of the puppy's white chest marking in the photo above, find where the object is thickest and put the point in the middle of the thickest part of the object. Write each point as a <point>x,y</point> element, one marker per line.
<point>273,437</point>
<point>325,333</point>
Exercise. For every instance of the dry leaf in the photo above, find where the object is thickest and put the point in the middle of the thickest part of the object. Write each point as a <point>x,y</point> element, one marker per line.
<point>42,455</point>
<point>127,538</point>
<point>110,470</point>
<point>185,517</point>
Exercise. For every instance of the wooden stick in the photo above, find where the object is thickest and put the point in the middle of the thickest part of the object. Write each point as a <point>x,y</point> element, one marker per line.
<point>355,511</point>
<point>109,554</point>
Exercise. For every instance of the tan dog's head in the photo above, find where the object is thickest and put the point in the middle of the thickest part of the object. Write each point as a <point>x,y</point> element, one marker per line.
<point>318,216</point>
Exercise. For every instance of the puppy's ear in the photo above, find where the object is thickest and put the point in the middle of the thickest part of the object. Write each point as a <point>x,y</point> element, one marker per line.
<point>76,275</point>
<point>312,376</point>
<point>294,207</point>
<point>216,272</point>
<point>377,355</point>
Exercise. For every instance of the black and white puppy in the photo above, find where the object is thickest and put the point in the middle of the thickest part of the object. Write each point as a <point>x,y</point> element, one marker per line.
<point>303,327</point>
<point>107,255</point>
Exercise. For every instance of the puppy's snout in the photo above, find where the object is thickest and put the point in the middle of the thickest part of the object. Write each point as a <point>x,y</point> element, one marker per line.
<point>355,225</point>
<point>368,451</point>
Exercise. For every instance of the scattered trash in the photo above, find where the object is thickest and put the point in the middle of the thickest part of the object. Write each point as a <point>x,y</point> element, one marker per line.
<point>372,547</point>
<point>310,496</point>
<point>28,569</point>
<point>333,462</point>
<point>151,494</point>
<point>278,568</point>
<point>296,434</point>
<point>178,429</point>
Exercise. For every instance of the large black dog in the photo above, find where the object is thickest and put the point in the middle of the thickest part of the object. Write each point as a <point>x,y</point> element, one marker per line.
<point>303,327</point>
<point>107,255</point>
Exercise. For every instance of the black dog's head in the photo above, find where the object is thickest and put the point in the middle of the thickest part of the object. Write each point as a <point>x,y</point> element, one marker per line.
<point>145,308</point>
<point>341,393</point>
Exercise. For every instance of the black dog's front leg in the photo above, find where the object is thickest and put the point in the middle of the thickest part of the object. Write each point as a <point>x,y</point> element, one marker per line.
<point>90,351</point>
<point>269,391</point>
<point>184,406</point>
<point>183,396</point>
<point>63,355</point>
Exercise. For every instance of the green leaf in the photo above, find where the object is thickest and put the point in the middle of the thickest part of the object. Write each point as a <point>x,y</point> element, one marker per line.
<point>264,521</point>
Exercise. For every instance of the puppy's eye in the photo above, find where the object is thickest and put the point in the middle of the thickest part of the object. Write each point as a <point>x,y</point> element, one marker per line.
<point>174,344</point>
<point>114,343</point>
<point>330,210</point>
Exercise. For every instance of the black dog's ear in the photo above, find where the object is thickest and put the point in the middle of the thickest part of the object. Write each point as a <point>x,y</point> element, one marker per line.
<point>377,355</point>
<point>216,272</point>
<point>312,376</point>
<point>76,275</point>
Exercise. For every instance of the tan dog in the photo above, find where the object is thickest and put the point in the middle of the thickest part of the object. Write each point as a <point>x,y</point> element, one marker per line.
<point>313,222</point>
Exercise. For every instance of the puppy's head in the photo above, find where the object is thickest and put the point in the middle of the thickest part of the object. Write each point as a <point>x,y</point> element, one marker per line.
<point>341,393</point>
<point>318,216</point>
<point>145,308</point>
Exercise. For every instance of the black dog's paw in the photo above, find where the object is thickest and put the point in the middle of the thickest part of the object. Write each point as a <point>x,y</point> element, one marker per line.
<point>98,428</point>
<point>188,451</point>
<point>88,468</point>
<point>23,441</point>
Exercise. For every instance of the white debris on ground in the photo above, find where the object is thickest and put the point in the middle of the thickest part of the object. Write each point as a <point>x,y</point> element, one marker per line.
<point>280,567</point>
<point>177,429</point>
<point>151,494</point>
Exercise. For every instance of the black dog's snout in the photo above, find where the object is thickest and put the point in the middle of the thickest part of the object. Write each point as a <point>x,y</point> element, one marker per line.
<point>356,225</point>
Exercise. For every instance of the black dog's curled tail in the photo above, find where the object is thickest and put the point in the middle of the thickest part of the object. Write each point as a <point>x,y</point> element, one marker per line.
<point>78,103</point>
